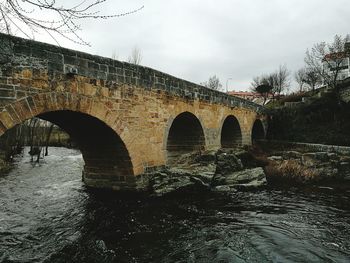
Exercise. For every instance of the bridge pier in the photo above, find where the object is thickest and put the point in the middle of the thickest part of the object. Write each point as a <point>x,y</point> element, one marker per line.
<point>107,178</point>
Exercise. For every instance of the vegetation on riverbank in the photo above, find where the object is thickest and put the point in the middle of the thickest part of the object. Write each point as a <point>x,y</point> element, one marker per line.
<point>286,164</point>
<point>323,120</point>
<point>14,140</point>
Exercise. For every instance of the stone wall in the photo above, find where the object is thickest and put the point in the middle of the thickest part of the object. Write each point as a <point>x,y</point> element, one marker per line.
<point>307,147</point>
<point>345,90</point>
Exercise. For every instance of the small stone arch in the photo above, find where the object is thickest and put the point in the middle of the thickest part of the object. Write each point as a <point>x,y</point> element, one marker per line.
<point>185,135</point>
<point>99,133</point>
<point>231,134</point>
<point>258,131</point>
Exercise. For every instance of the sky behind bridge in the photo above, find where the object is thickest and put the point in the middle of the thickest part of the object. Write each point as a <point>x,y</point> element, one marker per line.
<point>195,39</point>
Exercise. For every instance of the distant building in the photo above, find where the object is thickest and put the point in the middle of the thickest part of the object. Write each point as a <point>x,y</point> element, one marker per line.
<point>245,94</point>
<point>329,65</point>
<point>252,96</point>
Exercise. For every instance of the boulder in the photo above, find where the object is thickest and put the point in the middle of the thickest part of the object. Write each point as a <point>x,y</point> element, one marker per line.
<point>227,163</point>
<point>222,189</point>
<point>245,178</point>
<point>205,173</point>
<point>206,157</point>
<point>275,158</point>
<point>175,180</point>
<point>309,159</point>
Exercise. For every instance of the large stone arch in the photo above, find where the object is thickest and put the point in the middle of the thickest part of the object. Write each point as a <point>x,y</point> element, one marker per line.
<point>230,132</point>
<point>184,134</point>
<point>258,130</point>
<point>72,112</point>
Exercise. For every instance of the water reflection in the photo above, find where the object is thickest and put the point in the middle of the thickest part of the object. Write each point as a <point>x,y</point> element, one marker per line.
<point>47,215</point>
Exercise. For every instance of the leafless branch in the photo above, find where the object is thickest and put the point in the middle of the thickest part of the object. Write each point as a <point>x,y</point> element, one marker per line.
<point>31,16</point>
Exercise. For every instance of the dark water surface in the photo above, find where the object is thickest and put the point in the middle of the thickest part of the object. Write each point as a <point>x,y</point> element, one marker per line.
<point>47,215</point>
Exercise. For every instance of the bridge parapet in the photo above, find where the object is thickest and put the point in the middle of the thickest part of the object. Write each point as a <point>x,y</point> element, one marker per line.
<point>56,62</point>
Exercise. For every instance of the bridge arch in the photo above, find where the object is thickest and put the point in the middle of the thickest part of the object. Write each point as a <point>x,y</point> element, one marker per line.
<point>258,131</point>
<point>98,133</point>
<point>185,135</point>
<point>231,134</point>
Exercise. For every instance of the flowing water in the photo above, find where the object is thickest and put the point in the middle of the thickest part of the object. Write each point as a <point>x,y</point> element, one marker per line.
<point>47,215</point>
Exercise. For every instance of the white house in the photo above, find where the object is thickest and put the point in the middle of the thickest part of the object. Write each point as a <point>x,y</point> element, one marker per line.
<point>338,61</point>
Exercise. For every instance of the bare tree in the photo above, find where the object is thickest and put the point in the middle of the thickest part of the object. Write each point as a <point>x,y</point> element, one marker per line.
<point>327,60</point>
<point>257,81</point>
<point>136,56</point>
<point>299,77</point>
<point>48,136</point>
<point>312,78</point>
<point>115,55</point>
<point>30,17</point>
<point>282,81</point>
<point>278,80</point>
<point>39,133</point>
<point>212,83</point>
<point>12,142</point>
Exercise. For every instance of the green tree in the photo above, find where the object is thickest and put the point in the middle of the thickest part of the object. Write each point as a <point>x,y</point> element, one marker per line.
<point>264,90</point>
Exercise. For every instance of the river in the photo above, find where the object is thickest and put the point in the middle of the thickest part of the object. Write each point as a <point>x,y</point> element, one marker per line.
<point>47,215</point>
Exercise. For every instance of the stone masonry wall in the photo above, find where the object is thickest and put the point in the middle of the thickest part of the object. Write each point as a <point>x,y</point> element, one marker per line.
<point>139,104</point>
<point>111,72</point>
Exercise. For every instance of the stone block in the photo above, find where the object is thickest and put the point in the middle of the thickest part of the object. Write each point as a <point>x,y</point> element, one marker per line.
<point>6,119</point>
<point>7,93</point>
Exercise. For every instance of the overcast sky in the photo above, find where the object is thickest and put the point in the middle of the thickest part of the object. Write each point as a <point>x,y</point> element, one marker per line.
<point>195,39</point>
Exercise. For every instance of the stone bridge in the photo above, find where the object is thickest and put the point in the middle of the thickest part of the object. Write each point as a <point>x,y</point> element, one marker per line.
<point>125,118</point>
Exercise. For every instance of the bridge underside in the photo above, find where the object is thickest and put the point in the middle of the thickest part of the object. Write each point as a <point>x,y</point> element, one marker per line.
<point>231,134</point>
<point>107,161</point>
<point>185,135</point>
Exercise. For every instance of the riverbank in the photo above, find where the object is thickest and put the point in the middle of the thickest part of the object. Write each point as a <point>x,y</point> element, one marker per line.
<point>270,162</point>
<point>302,163</point>
<point>320,119</point>
<point>58,138</point>
<point>229,170</point>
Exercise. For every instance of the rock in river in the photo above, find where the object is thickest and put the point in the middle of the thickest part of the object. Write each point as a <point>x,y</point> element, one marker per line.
<point>254,177</point>
<point>175,180</point>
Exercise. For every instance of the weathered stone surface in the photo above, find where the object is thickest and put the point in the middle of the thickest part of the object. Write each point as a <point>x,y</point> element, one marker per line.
<point>309,159</point>
<point>227,163</point>
<point>249,177</point>
<point>291,154</point>
<point>275,158</point>
<point>201,176</point>
<point>172,181</point>
<point>223,189</point>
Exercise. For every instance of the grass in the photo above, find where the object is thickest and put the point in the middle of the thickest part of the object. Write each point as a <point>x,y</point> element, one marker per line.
<point>291,171</point>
